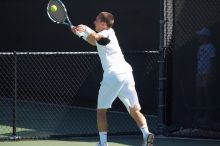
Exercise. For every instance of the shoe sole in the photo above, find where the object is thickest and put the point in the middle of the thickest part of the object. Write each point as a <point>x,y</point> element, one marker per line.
<point>149,141</point>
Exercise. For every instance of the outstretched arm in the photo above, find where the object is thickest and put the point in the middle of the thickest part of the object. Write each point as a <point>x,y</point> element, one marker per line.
<point>90,36</point>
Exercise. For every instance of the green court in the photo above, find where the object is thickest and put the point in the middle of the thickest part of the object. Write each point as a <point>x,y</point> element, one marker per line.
<point>115,141</point>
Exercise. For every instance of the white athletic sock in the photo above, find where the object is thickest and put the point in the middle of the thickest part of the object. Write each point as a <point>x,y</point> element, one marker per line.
<point>145,131</point>
<point>103,137</point>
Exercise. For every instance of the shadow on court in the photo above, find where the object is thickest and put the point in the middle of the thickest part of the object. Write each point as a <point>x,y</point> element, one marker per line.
<point>49,120</point>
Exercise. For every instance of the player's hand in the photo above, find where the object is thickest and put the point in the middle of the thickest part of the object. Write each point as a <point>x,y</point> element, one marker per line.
<point>80,28</point>
<point>73,29</point>
<point>82,31</point>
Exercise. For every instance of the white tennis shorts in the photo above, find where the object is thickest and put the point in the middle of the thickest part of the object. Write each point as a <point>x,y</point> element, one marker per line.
<point>122,86</point>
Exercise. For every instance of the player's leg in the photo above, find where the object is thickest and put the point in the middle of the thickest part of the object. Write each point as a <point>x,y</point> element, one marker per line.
<point>128,96</point>
<point>139,118</point>
<point>134,111</point>
<point>108,92</point>
<point>102,126</point>
<point>102,120</point>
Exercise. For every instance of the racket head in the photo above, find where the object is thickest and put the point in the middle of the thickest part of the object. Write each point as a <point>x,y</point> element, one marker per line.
<point>60,15</point>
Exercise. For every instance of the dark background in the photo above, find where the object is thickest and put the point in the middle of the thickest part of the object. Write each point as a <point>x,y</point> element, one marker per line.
<point>190,17</point>
<point>25,25</point>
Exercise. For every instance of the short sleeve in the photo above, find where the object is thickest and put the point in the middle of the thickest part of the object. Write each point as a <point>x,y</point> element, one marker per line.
<point>104,33</point>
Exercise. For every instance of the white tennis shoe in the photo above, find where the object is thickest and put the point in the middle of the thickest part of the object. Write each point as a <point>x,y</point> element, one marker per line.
<point>148,141</point>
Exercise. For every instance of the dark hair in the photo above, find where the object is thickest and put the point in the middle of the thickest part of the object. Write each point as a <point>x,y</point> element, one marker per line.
<point>107,17</point>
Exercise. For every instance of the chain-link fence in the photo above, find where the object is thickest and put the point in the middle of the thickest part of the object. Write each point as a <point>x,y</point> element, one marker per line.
<point>53,94</point>
<point>192,33</point>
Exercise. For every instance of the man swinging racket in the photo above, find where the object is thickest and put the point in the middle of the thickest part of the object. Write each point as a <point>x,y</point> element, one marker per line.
<point>117,80</point>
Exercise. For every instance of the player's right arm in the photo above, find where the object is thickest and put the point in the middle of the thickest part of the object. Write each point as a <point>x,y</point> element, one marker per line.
<point>95,37</point>
<point>92,38</point>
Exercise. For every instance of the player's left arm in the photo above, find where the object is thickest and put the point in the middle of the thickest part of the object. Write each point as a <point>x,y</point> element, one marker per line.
<point>91,36</point>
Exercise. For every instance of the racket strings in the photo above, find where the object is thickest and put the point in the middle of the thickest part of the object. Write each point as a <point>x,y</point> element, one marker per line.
<point>59,15</point>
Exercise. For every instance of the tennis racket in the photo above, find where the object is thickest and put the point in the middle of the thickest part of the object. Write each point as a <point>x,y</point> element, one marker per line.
<point>59,15</point>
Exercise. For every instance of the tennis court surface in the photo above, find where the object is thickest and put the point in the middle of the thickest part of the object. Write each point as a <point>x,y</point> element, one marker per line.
<point>115,141</point>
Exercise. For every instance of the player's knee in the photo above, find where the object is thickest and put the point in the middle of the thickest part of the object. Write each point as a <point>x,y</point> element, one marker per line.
<point>134,110</point>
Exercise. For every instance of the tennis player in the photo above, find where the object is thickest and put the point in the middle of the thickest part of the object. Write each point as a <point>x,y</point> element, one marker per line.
<point>117,80</point>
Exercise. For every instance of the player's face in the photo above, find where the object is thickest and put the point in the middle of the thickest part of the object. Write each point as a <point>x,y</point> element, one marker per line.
<point>99,25</point>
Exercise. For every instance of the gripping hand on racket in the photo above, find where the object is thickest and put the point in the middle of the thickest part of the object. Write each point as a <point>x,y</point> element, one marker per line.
<point>90,35</point>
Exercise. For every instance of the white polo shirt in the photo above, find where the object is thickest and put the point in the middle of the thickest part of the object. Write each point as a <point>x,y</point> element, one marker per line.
<point>111,57</point>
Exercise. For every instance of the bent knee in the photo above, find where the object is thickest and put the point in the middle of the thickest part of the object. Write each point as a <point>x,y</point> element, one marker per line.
<point>135,109</point>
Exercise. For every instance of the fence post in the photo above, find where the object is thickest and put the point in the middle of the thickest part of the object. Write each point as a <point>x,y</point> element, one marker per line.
<point>14,136</point>
<point>162,78</point>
